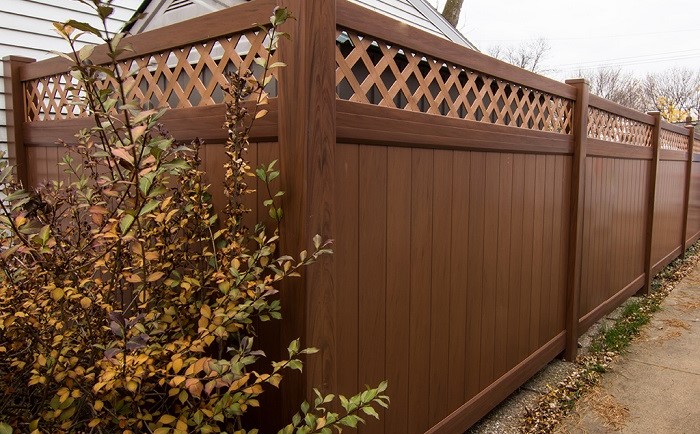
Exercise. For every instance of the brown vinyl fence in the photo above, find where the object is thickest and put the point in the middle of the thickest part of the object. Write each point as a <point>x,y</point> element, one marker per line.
<point>484,216</point>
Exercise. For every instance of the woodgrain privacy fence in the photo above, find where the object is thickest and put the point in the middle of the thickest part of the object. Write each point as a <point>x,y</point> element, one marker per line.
<point>484,216</point>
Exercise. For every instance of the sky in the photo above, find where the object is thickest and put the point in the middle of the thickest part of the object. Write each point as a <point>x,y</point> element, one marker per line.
<point>640,36</point>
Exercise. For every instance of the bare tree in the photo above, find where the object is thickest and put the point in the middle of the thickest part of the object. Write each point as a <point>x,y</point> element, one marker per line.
<point>674,92</point>
<point>616,85</point>
<point>529,55</point>
<point>451,11</point>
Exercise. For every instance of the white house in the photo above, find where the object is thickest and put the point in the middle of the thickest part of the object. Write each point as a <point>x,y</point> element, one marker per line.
<point>418,13</point>
<point>27,31</point>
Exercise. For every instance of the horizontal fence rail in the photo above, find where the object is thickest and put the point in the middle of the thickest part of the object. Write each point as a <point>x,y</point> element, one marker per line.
<point>484,216</point>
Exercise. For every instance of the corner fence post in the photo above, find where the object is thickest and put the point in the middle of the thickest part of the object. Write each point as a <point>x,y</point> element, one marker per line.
<point>578,174</point>
<point>651,202</point>
<point>307,138</point>
<point>688,177</point>
<point>14,110</point>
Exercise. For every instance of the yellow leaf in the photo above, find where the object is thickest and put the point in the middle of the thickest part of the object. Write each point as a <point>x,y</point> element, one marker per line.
<point>132,386</point>
<point>177,365</point>
<point>260,114</point>
<point>41,359</point>
<point>98,405</point>
<point>20,220</point>
<point>205,311</point>
<point>134,278</point>
<point>93,423</point>
<point>57,294</point>
<point>85,302</point>
<point>155,276</point>
<point>167,419</point>
<point>181,425</point>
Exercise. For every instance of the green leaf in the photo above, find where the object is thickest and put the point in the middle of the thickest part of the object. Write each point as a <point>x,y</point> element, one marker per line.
<point>370,412</point>
<point>145,182</point>
<point>44,234</point>
<point>86,52</point>
<point>293,347</point>
<point>296,364</point>
<point>178,164</point>
<point>85,27</point>
<point>5,428</point>
<point>149,206</point>
<point>126,223</point>
<point>104,11</point>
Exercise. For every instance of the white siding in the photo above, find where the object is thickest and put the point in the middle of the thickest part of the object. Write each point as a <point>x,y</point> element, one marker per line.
<point>26,30</point>
<point>401,10</point>
<point>417,13</point>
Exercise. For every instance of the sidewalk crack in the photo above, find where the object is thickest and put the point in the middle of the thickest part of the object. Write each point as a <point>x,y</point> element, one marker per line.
<point>664,367</point>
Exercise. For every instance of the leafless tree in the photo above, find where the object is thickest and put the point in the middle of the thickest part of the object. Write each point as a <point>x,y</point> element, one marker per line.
<point>529,55</point>
<point>451,11</point>
<point>675,87</point>
<point>616,85</point>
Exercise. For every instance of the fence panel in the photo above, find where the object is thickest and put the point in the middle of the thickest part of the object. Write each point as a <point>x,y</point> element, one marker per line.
<point>447,187</point>
<point>454,290</point>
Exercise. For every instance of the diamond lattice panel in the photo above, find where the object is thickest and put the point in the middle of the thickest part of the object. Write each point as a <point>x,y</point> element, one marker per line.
<point>674,141</point>
<point>189,76</point>
<point>372,71</point>
<point>603,125</point>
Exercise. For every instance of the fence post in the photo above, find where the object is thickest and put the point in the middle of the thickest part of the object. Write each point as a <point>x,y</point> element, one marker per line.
<point>651,202</point>
<point>688,177</point>
<point>307,138</point>
<point>14,110</point>
<point>578,174</point>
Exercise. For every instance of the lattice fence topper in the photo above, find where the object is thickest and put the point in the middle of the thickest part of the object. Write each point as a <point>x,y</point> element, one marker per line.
<point>674,141</point>
<point>372,71</point>
<point>189,76</point>
<point>603,125</point>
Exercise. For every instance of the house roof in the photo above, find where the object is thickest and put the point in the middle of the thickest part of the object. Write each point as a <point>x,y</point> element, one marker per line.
<point>417,13</point>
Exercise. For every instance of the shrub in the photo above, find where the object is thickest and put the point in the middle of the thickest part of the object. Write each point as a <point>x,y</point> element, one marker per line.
<point>127,304</point>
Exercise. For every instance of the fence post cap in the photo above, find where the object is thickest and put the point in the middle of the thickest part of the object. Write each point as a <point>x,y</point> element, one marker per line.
<point>21,59</point>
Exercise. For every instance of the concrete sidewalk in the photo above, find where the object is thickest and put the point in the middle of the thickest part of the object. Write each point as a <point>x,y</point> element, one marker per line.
<point>655,386</point>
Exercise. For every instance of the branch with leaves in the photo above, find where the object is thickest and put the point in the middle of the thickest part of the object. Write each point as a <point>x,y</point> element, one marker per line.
<point>127,302</point>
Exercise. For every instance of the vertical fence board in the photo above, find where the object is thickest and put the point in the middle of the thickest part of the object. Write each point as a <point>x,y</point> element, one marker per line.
<point>516,300</point>
<point>441,282</point>
<point>458,287</point>
<point>398,286</point>
<point>372,269</point>
<point>545,302</point>
<point>421,248</point>
<point>526,296</point>
<point>347,254</point>
<point>475,271</point>
<point>503,289</point>
<point>490,269</point>
<point>537,251</point>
